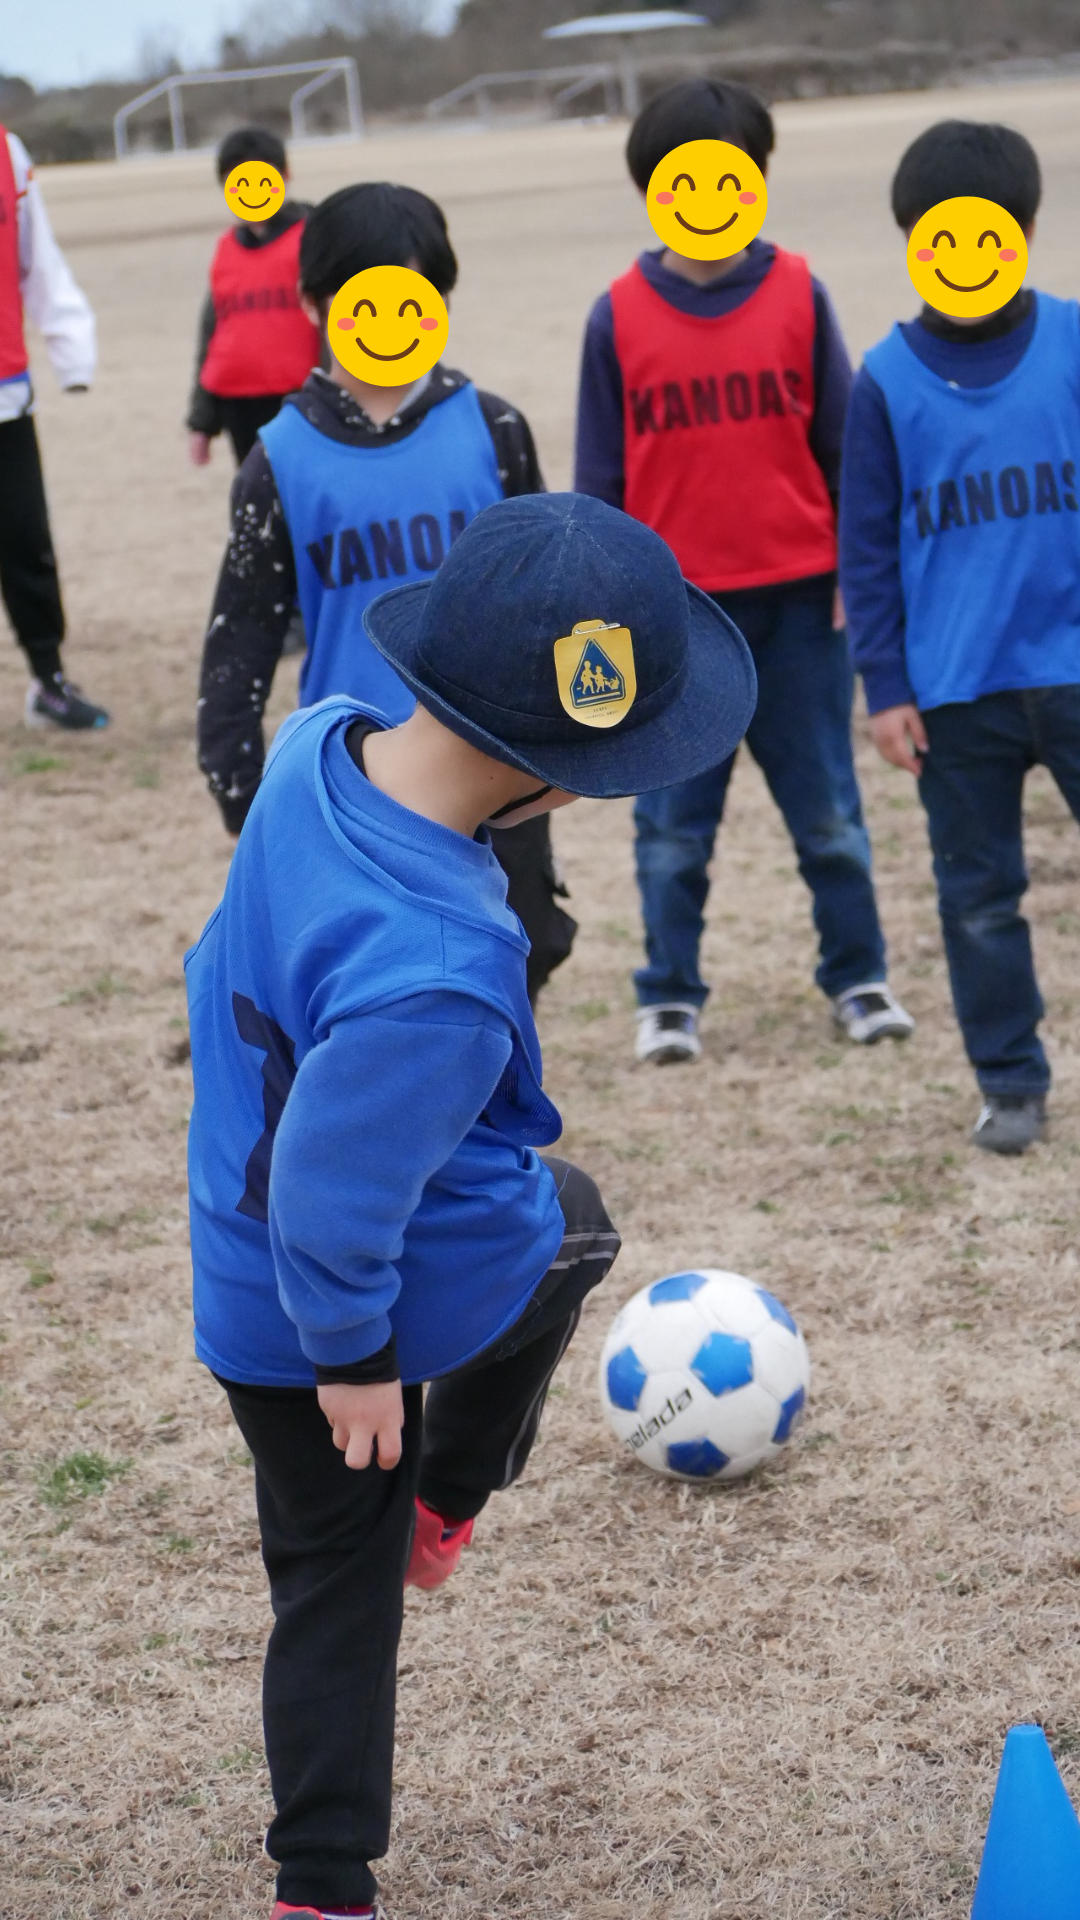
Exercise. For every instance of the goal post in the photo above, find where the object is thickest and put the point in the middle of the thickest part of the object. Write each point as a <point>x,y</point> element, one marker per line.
<point>321,72</point>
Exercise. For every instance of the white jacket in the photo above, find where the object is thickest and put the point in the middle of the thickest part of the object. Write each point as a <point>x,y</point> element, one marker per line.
<point>52,299</point>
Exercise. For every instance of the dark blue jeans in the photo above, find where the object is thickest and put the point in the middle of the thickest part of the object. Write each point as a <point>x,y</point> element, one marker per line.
<point>972,788</point>
<point>800,736</point>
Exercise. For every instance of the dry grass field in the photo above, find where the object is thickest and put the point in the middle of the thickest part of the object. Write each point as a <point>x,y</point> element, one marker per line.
<point>637,1699</point>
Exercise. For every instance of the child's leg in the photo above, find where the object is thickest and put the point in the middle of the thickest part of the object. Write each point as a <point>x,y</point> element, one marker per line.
<point>800,736</point>
<point>675,830</point>
<point>480,1423</point>
<point>972,789</point>
<point>335,1543</point>
<point>524,854</point>
<point>28,578</point>
<point>1055,715</point>
<point>243,417</point>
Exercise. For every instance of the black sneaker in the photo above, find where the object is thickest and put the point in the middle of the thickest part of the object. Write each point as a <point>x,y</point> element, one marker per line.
<point>1010,1122</point>
<point>56,703</point>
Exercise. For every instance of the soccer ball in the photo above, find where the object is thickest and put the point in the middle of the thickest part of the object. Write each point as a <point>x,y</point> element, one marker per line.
<point>704,1375</point>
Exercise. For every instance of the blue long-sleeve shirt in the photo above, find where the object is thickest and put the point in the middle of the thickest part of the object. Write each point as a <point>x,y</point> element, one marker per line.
<point>367,1085</point>
<point>872,491</point>
<point>599,463</point>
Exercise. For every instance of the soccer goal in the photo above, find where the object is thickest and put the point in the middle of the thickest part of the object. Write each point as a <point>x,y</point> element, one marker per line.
<point>322,73</point>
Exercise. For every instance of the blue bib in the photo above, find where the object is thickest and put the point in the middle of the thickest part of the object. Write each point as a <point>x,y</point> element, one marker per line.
<point>318,924</point>
<point>990,515</point>
<point>364,519</point>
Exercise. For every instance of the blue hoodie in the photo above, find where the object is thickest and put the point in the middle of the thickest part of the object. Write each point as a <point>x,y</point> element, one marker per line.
<point>367,1085</point>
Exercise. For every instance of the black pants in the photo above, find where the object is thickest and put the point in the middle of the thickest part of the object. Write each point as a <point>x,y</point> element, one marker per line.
<point>243,417</point>
<point>336,1545</point>
<point>524,854</point>
<point>28,577</point>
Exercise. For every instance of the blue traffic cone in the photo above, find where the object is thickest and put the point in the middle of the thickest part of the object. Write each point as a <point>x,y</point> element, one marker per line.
<point>1031,1861</point>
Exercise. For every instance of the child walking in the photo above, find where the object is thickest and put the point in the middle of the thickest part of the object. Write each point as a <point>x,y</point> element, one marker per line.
<point>960,563</point>
<point>35,278</point>
<point>368,1208</point>
<point>352,487</point>
<point>711,407</point>
<point>255,343</point>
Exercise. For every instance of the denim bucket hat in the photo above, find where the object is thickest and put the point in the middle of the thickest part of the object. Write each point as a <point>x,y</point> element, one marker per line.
<point>560,637</point>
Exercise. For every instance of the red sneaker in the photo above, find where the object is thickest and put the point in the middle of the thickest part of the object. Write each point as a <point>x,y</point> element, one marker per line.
<point>437,1547</point>
<point>376,1912</point>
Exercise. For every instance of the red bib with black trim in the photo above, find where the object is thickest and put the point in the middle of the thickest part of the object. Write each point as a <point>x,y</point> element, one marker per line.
<point>13,357</point>
<point>716,430</point>
<point>262,341</point>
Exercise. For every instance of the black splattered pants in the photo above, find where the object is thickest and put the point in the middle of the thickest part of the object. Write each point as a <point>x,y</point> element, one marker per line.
<point>336,1544</point>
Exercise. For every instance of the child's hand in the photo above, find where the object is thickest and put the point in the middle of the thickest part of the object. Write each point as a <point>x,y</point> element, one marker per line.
<point>199,449</point>
<point>900,737</point>
<point>363,1417</point>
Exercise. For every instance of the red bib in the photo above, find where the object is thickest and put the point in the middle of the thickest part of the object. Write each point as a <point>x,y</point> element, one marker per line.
<point>262,340</point>
<point>13,359</point>
<point>716,430</point>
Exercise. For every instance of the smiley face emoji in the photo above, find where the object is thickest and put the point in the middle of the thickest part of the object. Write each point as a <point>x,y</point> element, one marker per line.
<point>707,199</point>
<point>254,190</point>
<point>388,326</point>
<point>967,257</point>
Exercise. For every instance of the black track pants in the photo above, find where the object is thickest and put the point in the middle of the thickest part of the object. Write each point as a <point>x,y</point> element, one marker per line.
<point>336,1545</point>
<point>28,578</point>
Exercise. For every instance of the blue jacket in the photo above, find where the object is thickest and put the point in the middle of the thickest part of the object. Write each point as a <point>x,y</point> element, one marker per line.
<point>367,1085</point>
<point>959,528</point>
<point>361,519</point>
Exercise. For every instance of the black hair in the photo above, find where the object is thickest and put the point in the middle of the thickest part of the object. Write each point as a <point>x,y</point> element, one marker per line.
<point>967,157</point>
<point>698,110</point>
<point>250,143</point>
<point>376,224</point>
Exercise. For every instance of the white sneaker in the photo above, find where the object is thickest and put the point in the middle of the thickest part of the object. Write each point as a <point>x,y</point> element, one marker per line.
<point>667,1034</point>
<point>870,1013</point>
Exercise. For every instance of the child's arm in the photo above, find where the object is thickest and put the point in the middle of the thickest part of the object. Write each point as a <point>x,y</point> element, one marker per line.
<point>515,448</point>
<point>57,306</point>
<point>204,418</point>
<point>599,451</point>
<point>832,390</point>
<point>250,616</point>
<point>376,1109</point>
<point>870,501</point>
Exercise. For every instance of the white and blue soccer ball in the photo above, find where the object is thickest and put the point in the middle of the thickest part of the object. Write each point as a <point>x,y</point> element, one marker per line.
<point>704,1375</point>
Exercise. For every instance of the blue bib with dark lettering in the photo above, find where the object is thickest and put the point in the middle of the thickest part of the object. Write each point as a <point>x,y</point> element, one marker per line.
<point>990,515</point>
<point>364,519</point>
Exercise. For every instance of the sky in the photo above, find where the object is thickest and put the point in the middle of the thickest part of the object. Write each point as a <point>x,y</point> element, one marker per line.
<point>56,43</point>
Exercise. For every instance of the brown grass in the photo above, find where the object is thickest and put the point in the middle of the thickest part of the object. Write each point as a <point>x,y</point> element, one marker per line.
<point>783,1699</point>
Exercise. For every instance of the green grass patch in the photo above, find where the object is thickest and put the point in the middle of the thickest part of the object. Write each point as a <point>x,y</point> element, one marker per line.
<point>40,1277</point>
<point>105,987</point>
<point>39,763</point>
<point>78,1476</point>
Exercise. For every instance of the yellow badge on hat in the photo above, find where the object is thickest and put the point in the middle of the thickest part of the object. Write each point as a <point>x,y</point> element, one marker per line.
<point>594,666</point>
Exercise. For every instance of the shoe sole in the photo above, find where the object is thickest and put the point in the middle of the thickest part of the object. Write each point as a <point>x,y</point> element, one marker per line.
<point>668,1056</point>
<point>44,723</point>
<point>871,1039</point>
<point>1010,1152</point>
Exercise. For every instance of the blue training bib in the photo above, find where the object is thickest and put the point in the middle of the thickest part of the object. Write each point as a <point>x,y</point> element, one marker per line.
<point>364,519</point>
<point>990,515</point>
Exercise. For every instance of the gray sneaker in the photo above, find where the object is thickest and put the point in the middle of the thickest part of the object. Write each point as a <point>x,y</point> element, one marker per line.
<point>1010,1122</point>
<point>871,1013</point>
<point>667,1034</point>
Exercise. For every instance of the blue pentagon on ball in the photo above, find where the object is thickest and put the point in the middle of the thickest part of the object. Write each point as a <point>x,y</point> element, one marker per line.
<point>722,1363</point>
<point>677,1286</point>
<point>698,1458</point>
<point>789,1413</point>
<point>776,1309</point>
<point>625,1379</point>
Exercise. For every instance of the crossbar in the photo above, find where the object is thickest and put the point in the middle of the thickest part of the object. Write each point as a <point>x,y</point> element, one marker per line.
<point>170,87</point>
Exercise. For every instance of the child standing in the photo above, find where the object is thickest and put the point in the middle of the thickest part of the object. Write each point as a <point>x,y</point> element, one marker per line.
<point>960,557</point>
<point>255,343</point>
<point>368,1209</point>
<point>35,277</point>
<point>712,406</point>
<point>351,487</point>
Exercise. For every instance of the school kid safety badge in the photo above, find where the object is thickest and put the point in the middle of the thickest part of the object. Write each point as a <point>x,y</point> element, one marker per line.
<point>594,668</point>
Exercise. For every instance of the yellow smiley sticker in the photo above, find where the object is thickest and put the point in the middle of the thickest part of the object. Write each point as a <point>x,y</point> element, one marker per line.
<point>967,257</point>
<point>707,199</point>
<point>594,668</point>
<point>254,190</point>
<point>388,326</point>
